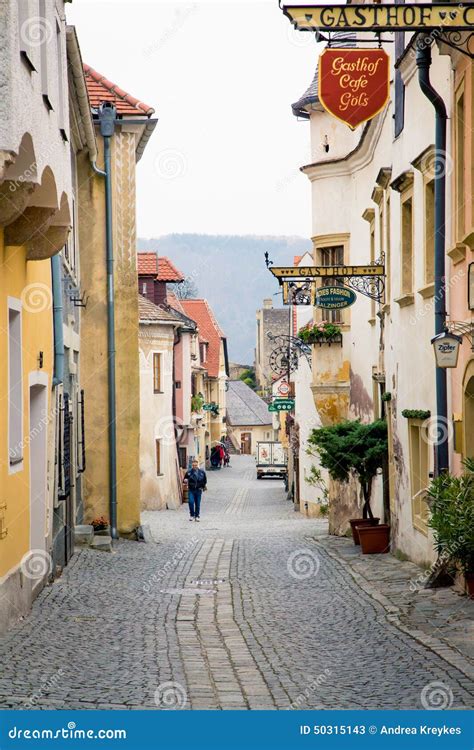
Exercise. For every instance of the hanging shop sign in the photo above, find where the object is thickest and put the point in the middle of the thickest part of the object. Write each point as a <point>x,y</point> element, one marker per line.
<point>446,347</point>
<point>283,388</point>
<point>384,17</point>
<point>282,404</point>
<point>286,272</point>
<point>334,297</point>
<point>354,84</point>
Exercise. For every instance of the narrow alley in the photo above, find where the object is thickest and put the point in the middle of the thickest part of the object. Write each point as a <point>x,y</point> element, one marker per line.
<point>253,608</point>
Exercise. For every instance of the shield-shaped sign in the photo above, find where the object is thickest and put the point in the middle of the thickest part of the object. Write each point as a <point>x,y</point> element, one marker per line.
<point>354,84</point>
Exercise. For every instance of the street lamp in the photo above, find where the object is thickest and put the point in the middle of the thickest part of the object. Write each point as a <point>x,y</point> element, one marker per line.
<point>446,348</point>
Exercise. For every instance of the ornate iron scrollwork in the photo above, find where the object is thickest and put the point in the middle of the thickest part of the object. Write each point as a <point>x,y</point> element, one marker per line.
<point>370,286</point>
<point>285,357</point>
<point>459,40</point>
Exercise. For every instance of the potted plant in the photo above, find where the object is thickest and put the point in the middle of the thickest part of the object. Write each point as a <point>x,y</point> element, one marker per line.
<point>320,333</point>
<point>451,505</point>
<point>352,448</point>
<point>315,479</point>
<point>100,525</point>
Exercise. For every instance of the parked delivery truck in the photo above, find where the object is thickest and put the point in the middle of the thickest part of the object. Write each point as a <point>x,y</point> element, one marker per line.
<point>271,460</point>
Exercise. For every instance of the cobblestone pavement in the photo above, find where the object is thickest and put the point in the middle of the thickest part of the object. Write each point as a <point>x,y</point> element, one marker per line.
<point>254,607</point>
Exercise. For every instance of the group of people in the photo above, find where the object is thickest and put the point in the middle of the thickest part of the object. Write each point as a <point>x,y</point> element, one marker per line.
<point>220,456</point>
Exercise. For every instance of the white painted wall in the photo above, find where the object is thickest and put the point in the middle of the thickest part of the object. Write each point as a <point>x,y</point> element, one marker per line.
<point>156,421</point>
<point>341,192</point>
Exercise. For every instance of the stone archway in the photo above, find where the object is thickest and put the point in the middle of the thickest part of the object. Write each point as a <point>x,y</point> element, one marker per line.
<point>468,410</point>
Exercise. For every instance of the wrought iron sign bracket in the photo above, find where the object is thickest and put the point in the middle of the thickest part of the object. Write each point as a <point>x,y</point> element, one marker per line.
<point>462,42</point>
<point>460,328</point>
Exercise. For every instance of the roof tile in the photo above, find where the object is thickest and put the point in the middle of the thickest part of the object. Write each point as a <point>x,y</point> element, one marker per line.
<point>100,89</point>
<point>209,330</point>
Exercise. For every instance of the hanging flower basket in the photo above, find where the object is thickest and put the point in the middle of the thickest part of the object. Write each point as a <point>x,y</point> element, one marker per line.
<point>321,333</point>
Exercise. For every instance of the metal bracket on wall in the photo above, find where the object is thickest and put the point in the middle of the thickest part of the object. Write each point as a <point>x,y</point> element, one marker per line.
<point>462,329</point>
<point>459,40</point>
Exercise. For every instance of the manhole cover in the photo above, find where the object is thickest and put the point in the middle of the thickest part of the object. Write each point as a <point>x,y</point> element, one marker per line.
<point>188,592</point>
<point>208,581</point>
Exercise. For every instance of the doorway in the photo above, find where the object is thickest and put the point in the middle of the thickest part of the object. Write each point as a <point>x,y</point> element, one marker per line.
<point>38,434</point>
<point>246,443</point>
<point>469,418</point>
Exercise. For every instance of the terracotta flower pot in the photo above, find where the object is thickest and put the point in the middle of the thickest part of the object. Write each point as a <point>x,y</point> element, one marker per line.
<point>470,584</point>
<point>355,522</point>
<point>374,539</point>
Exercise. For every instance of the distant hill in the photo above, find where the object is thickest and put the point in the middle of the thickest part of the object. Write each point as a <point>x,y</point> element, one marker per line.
<point>230,272</point>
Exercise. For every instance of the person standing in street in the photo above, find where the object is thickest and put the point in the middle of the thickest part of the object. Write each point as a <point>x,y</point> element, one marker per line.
<point>196,480</point>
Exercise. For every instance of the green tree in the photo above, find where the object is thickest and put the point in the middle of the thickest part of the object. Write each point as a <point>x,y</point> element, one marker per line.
<point>248,376</point>
<point>352,448</point>
<point>451,505</point>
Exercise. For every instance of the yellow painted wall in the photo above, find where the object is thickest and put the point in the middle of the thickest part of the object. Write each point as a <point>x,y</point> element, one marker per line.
<point>31,283</point>
<point>94,335</point>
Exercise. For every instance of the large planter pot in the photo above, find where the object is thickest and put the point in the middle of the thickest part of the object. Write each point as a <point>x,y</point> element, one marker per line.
<point>470,584</point>
<point>374,540</point>
<point>319,339</point>
<point>355,522</point>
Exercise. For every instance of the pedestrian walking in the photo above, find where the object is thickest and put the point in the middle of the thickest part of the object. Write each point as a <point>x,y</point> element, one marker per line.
<point>196,480</point>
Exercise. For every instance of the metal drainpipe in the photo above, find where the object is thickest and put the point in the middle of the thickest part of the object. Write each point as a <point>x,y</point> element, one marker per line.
<point>58,374</point>
<point>423,61</point>
<point>107,115</point>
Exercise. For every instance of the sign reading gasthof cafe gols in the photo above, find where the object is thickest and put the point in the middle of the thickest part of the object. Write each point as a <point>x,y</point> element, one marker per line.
<point>334,297</point>
<point>384,17</point>
<point>354,84</point>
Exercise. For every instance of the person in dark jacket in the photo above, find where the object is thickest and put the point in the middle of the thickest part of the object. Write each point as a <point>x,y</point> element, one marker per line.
<point>196,480</point>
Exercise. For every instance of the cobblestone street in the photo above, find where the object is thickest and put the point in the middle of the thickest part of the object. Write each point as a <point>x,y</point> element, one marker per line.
<point>252,608</point>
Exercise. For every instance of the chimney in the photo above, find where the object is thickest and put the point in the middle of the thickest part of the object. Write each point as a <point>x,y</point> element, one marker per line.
<point>267,303</point>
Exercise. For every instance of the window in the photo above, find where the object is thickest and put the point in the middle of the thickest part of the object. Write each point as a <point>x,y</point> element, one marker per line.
<point>15,385</point>
<point>144,287</point>
<point>332,256</point>
<point>399,114</point>
<point>407,243</point>
<point>177,384</point>
<point>182,457</point>
<point>387,249</point>
<point>419,474</point>
<point>460,166</point>
<point>429,232</point>
<point>372,259</point>
<point>25,23</point>
<point>158,457</point>
<point>44,27</point>
<point>156,372</point>
<point>60,76</point>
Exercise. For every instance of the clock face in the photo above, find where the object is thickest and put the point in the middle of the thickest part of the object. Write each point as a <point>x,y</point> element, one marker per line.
<point>284,359</point>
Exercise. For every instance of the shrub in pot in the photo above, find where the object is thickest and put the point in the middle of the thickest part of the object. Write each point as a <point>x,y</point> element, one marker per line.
<point>451,505</point>
<point>352,448</point>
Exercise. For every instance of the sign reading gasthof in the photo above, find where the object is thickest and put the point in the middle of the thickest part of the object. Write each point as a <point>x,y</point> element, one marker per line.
<point>315,272</point>
<point>384,17</point>
<point>354,84</point>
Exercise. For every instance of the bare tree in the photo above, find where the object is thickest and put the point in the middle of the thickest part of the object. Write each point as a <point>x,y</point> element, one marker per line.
<point>186,289</point>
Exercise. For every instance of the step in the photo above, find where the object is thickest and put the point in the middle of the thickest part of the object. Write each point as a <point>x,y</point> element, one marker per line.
<point>102,543</point>
<point>83,534</point>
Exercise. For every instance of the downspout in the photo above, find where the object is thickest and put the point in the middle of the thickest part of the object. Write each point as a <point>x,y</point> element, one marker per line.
<point>423,61</point>
<point>107,128</point>
<point>58,374</point>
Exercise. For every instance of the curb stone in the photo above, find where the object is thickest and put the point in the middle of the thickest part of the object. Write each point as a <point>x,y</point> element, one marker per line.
<point>392,615</point>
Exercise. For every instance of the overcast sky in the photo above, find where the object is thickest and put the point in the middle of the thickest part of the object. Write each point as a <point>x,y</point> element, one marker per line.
<point>221,76</point>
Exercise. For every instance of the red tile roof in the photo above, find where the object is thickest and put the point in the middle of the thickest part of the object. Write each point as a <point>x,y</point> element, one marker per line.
<point>100,89</point>
<point>149,264</point>
<point>209,330</point>
<point>297,259</point>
